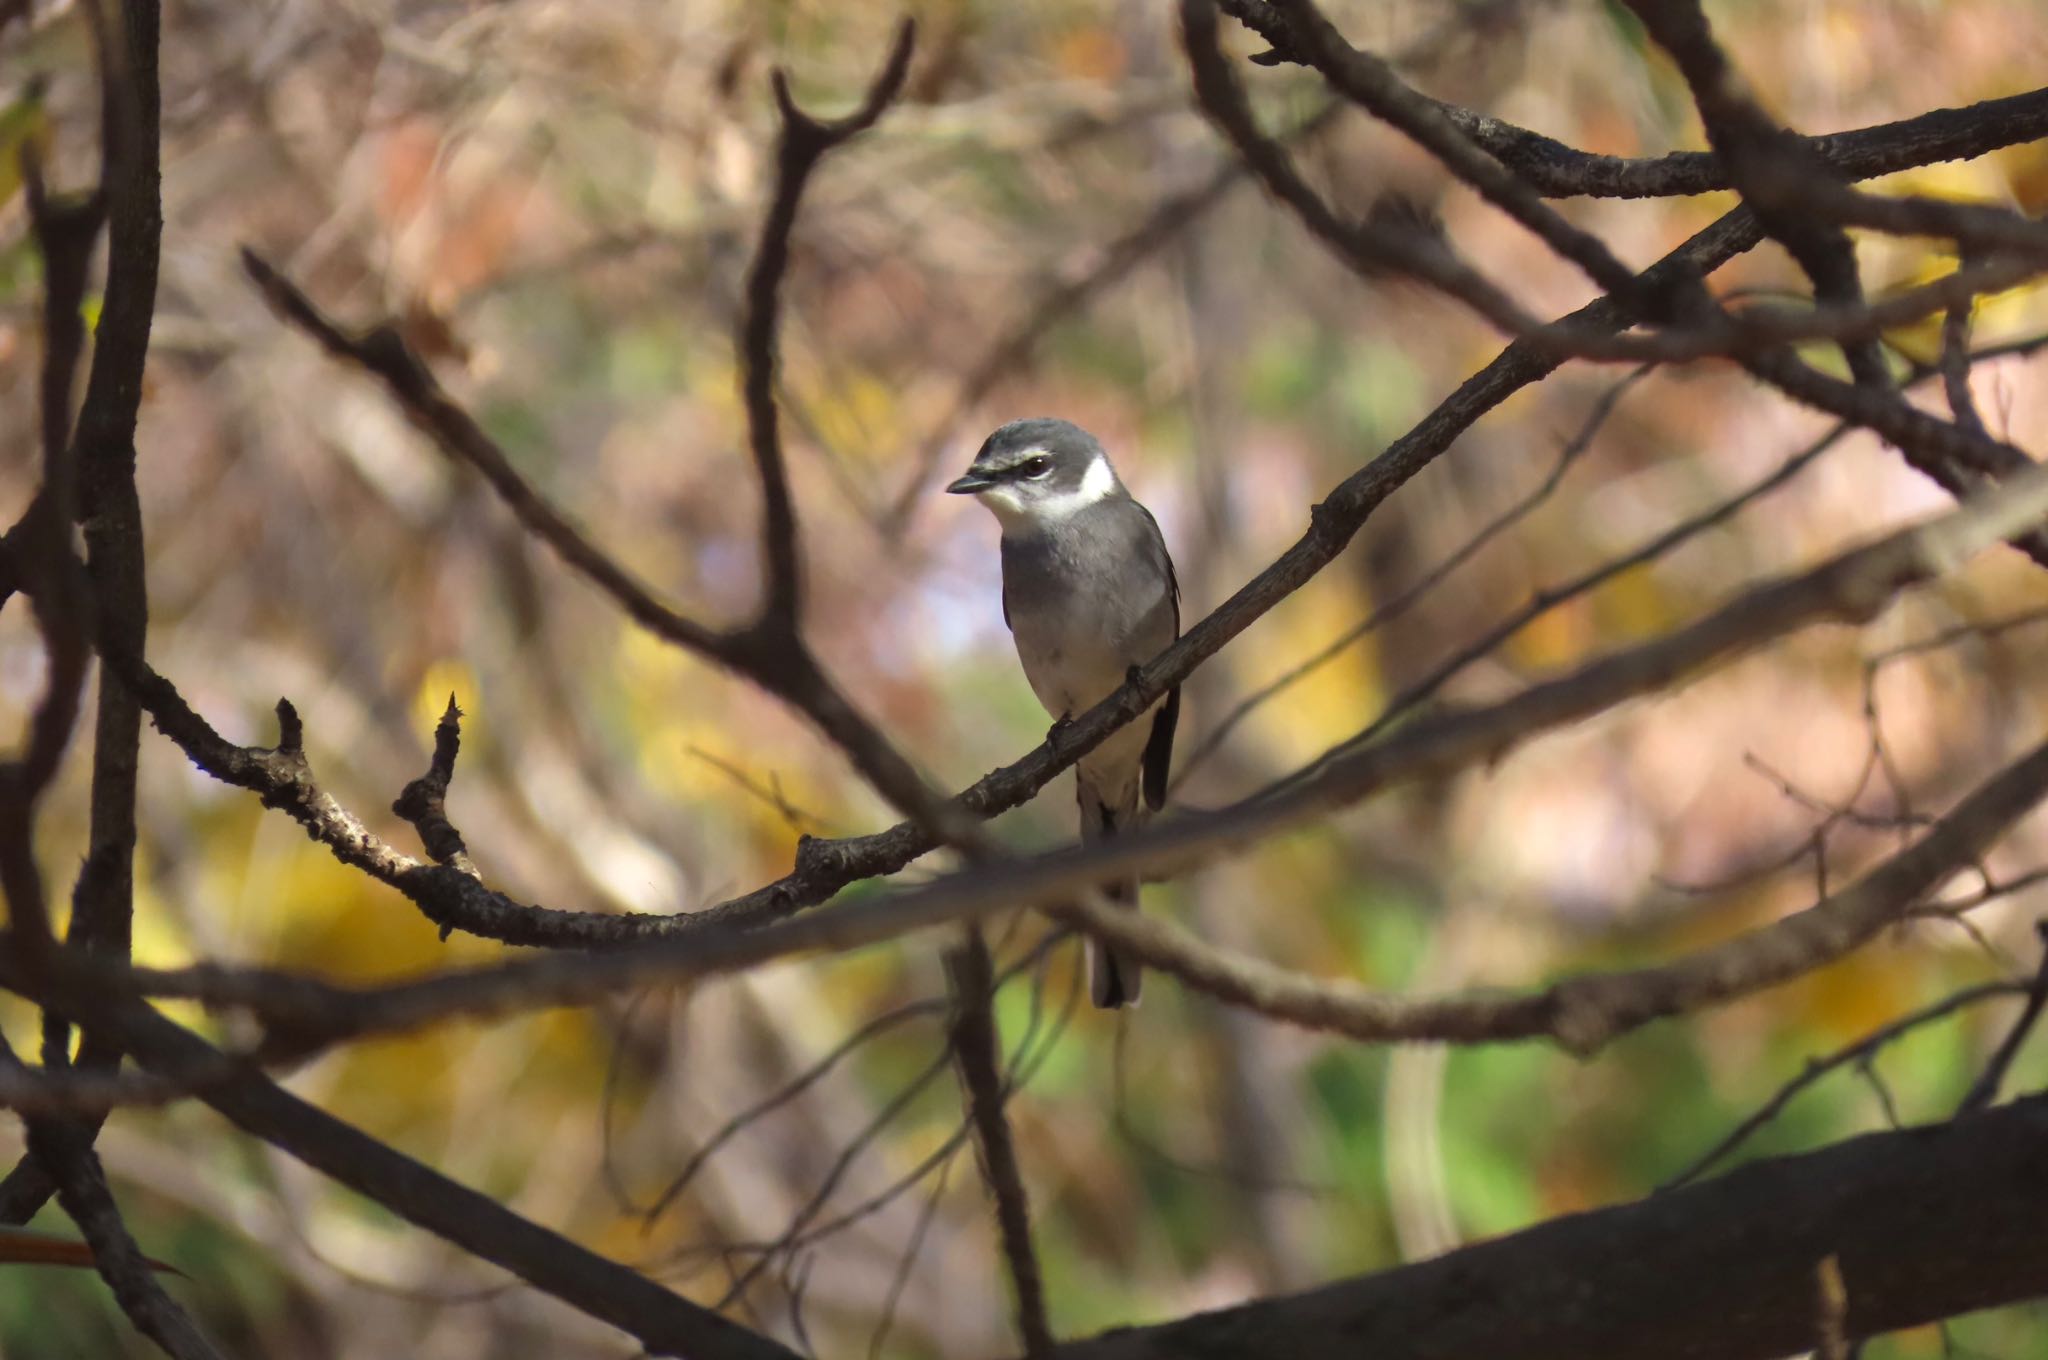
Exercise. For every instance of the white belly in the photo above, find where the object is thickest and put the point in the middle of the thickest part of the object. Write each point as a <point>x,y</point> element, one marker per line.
<point>1073,670</point>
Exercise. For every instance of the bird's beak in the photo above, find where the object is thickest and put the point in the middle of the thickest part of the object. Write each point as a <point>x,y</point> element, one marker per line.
<point>970,484</point>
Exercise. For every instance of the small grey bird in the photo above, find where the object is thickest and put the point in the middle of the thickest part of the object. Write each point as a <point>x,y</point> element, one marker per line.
<point>1089,593</point>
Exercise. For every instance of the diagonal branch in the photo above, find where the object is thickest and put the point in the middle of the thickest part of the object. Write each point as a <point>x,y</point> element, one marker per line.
<point>1584,1014</point>
<point>1372,84</point>
<point>1859,1051</point>
<point>1852,587</point>
<point>63,1149</point>
<point>1956,458</point>
<point>664,1323</point>
<point>826,865</point>
<point>1770,167</point>
<point>1926,1223</point>
<point>773,657</point>
<point>1696,327</point>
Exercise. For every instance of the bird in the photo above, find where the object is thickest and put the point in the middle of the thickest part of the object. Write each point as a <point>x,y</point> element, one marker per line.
<point>1089,594</point>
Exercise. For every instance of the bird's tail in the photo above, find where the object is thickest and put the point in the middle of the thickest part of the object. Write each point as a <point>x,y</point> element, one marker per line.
<point>1113,977</point>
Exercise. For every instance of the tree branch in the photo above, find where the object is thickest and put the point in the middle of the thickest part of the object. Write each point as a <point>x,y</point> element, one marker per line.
<point>664,1323</point>
<point>103,898</point>
<point>975,1051</point>
<point>1557,170</point>
<point>64,1150</point>
<point>804,142</point>
<point>1585,1013</point>
<point>1925,1223</point>
<point>1852,587</point>
<point>824,866</point>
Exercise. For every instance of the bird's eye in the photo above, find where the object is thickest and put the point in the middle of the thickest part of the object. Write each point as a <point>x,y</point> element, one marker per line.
<point>1035,468</point>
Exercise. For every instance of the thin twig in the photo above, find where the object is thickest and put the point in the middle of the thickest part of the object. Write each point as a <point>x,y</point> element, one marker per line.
<point>1983,1092</point>
<point>1817,1068</point>
<point>1411,594</point>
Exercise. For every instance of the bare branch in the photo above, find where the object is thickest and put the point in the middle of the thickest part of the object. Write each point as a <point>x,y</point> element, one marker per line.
<point>1393,608</point>
<point>805,141</point>
<point>1700,328</point>
<point>1955,369</point>
<point>110,511</point>
<point>773,656</point>
<point>1771,168</point>
<point>1857,1052</point>
<point>424,802</point>
<point>661,1321</point>
<point>1984,1091</point>
<point>1371,83</point>
<point>66,232</point>
<point>1585,1013</point>
<point>974,1048</point>
<point>382,353</point>
<point>62,1151</point>
<point>65,1151</point>
<point>1560,171</point>
<point>1851,587</point>
<point>1926,1223</point>
<point>1370,243</point>
<point>94,483</point>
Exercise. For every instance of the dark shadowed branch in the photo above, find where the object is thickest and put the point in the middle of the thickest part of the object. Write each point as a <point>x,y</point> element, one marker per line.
<point>769,650</point>
<point>1560,171</point>
<point>110,511</point>
<point>64,1151</point>
<point>1585,1013</point>
<point>975,1050</point>
<point>1925,1223</point>
<point>804,142</point>
<point>661,1321</point>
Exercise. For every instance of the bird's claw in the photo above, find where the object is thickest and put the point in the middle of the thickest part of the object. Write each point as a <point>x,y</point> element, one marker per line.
<point>1133,674</point>
<point>1058,729</point>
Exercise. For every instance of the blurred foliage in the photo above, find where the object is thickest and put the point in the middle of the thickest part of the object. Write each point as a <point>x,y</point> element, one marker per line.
<point>558,203</point>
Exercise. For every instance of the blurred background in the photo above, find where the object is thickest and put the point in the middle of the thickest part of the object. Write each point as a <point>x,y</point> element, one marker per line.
<point>558,201</point>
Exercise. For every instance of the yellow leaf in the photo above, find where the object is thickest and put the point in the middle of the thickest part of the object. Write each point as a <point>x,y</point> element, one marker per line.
<point>24,131</point>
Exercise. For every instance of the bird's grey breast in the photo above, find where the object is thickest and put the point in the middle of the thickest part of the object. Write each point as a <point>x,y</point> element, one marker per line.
<point>1088,597</point>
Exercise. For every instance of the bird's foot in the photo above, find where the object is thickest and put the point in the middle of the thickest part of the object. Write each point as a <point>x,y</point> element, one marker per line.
<point>1058,730</point>
<point>1133,674</point>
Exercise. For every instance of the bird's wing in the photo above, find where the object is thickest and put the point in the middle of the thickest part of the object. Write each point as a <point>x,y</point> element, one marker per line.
<point>1003,549</point>
<point>1158,543</point>
<point>1159,746</point>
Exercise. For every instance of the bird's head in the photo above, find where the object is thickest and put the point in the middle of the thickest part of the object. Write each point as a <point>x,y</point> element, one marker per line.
<point>1031,473</point>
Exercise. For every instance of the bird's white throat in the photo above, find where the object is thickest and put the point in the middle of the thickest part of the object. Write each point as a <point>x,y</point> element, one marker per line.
<point>1015,506</point>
